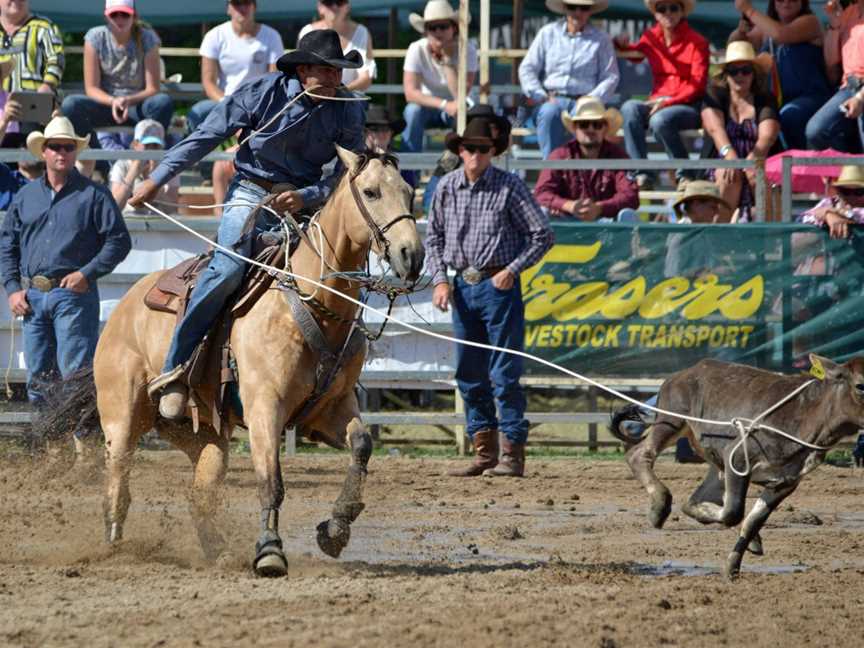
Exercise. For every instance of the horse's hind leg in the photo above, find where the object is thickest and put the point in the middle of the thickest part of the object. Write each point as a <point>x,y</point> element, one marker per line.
<point>764,506</point>
<point>208,452</point>
<point>641,458</point>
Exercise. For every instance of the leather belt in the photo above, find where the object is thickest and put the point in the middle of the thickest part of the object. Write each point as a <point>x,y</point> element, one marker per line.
<point>472,276</point>
<point>269,186</point>
<point>40,282</point>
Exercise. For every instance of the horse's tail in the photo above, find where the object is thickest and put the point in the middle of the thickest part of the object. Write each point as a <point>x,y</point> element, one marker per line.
<point>629,412</point>
<point>69,408</point>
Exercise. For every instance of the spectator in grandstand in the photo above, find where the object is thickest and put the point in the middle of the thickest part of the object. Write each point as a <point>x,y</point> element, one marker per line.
<point>450,161</point>
<point>34,46</point>
<point>700,201</point>
<point>740,116</point>
<point>121,75</point>
<point>336,15</point>
<point>678,57</point>
<point>568,59</point>
<point>844,208</point>
<point>792,35</point>
<point>588,194</point>
<point>127,175</point>
<point>60,235</point>
<point>430,73</point>
<point>839,123</point>
<point>485,225</point>
<point>380,130</point>
<point>233,52</point>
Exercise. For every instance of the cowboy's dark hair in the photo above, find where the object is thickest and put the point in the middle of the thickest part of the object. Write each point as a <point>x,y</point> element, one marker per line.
<point>772,9</point>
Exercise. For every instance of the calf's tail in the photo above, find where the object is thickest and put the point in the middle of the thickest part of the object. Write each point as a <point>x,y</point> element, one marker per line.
<point>69,408</point>
<point>629,412</point>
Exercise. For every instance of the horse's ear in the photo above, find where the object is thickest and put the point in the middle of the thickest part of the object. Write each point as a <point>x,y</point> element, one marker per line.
<point>822,367</point>
<point>350,159</point>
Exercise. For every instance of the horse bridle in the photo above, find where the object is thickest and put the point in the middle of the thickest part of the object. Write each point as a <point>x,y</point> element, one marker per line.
<point>377,232</point>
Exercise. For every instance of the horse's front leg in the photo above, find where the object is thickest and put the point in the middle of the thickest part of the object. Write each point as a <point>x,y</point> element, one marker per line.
<point>333,534</point>
<point>264,438</point>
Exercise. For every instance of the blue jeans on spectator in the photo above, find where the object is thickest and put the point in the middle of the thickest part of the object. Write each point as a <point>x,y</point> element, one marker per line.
<point>224,274</point>
<point>87,114</point>
<point>60,334</point>
<point>417,120</point>
<point>666,124</point>
<point>794,116</point>
<point>198,113</point>
<point>550,130</point>
<point>830,128</point>
<point>482,313</point>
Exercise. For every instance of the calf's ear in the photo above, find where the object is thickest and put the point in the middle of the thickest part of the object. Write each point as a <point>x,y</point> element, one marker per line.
<point>822,367</point>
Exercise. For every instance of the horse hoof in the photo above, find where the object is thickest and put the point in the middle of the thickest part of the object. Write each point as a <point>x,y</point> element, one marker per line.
<point>271,565</point>
<point>755,547</point>
<point>659,511</point>
<point>733,566</point>
<point>114,533</point>
<point>333,537</point>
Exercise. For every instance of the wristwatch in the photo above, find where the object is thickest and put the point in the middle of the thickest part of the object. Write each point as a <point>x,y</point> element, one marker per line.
<point>724,150</point>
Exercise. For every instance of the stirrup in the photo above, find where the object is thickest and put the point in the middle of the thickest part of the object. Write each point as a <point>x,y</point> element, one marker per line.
<point>156,385</point>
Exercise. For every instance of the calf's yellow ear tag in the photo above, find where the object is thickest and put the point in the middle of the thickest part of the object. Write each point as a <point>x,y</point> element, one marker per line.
<point>816,369</point>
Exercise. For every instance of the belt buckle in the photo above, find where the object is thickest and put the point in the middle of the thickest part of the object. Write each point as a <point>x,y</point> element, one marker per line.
<point>472,276</point>
<point>41,283</point>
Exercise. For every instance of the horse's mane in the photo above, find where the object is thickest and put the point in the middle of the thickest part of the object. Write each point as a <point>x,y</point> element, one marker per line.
<point>386,158</point>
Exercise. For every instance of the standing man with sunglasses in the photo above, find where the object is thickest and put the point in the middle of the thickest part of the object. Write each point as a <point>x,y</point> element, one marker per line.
<point>589,194</point>
<point>485,225</point>
<point>61,233</point>
<point>568,59</point>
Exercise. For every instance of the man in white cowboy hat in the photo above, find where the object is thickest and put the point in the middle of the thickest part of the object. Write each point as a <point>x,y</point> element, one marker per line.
<point>430,73</point>
<point>60,235</point>
<point>568,59</point>
<point>589,194</point>
<point>845,208</point>
<point>485,225</point>
<point>288,136</point>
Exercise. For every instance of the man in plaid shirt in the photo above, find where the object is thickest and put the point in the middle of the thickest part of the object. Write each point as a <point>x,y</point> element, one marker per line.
<point>485,224</point>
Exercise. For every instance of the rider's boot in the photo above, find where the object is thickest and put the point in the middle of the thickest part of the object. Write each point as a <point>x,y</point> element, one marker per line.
<point>173,393</point>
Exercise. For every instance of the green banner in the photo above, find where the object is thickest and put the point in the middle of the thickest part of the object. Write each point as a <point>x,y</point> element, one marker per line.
<point>648,300</point>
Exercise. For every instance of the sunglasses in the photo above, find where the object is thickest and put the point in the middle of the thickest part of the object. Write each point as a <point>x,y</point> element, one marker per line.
<point>477,148</point>
<point>64,148</point>
<point>583,8</point>
<point>442,26</point>
<point>851,191</point>
<point>739,70</point>
<point>119,15</point>
<point>668,8</point>
<point>596,124</point>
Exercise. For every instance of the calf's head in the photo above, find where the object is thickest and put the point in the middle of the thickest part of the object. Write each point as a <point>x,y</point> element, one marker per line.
<point>847,382</point>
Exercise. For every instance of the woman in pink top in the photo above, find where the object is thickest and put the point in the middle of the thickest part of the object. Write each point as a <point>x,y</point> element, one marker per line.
<point>839,123</point>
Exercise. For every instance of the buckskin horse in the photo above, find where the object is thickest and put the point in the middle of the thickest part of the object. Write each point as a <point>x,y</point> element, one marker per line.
<point>276,367</point>
<point>815,414</point>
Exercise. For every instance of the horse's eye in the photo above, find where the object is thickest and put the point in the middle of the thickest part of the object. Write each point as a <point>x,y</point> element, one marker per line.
<point>371,194</point>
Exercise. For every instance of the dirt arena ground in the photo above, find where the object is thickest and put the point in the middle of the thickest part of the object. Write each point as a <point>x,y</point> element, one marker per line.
<point>563,557</point>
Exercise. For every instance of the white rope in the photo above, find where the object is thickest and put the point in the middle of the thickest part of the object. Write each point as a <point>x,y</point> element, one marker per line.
<point>751,423</point>
<point>9,392</point>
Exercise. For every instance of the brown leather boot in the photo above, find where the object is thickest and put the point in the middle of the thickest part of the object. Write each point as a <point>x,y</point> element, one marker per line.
<point>486,454</point>
<point>512,462</point>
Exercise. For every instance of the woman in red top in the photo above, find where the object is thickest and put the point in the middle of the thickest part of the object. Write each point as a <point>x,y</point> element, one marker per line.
<point>679,58</point>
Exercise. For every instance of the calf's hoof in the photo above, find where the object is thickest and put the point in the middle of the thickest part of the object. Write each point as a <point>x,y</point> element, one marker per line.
<point>333,536</point>
<point>732,568</point>
<point>661,507</point>
<point>755,547</point>
<point>113,533</point>
<point>270,563</point>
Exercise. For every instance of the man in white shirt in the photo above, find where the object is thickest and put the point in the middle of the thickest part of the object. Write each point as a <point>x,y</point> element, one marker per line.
<point>430,78</point>
<point>232,53</point>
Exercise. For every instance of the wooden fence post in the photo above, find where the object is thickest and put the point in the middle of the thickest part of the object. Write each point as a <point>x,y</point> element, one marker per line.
<point>463,443</point>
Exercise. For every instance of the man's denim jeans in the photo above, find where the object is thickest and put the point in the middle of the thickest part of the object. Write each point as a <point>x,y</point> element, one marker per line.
<point>198,113</point>
<point>830,128</point>
<point>484,314</point>
<point>417,120</point>
<point>550,129</point>
<point>87,114</point>
<point>60,335</point>
<point>224,274</point>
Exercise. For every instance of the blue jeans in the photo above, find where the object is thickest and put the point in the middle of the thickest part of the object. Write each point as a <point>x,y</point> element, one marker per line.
<point>417,120</point>
<point>87,114</point>
<point>550,130</point>
<point>666,125</point>
<point>794,116</point>
<point>223,276</point>
<point>830,128</point>
<point>198,113</point>
<point>484,314</point>
<point>60,335</point>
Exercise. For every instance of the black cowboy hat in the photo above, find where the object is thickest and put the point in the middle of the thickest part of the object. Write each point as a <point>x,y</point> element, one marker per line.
<point>319,47</point>
<point>477,131</point>
<point>488,112</point>
<point>378,115</point>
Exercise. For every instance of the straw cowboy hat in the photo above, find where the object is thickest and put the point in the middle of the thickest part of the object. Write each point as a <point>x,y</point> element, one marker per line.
<point>851,175</point>
<point>435,11</point>
<point>741,51</point>
<point>479,132</point>
<point>592,109</point>
<point>701,189</point>
<point>688,5</point>
<point>57,128</point>
<point>560,6</point>
<point>319,47</point>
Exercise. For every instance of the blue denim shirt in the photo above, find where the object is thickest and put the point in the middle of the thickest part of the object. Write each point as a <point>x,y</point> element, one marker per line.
<point>79,228</point>
<point>293,149</point>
